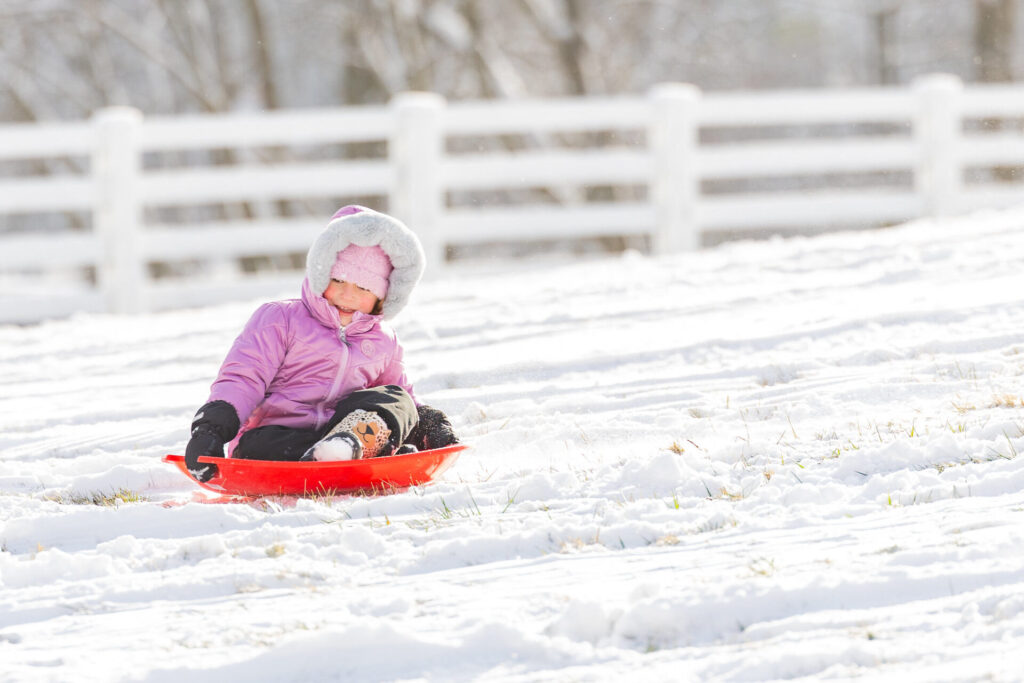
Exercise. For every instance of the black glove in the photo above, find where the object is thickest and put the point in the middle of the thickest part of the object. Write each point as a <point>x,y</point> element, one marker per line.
<point>215,424</point>
<point>432,431</point>
<point>203,442</point>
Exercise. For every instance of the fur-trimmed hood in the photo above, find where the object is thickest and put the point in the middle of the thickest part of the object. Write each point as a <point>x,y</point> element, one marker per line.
<point>365,227</point>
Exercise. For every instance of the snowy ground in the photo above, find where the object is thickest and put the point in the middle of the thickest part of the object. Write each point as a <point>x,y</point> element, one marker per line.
<point>785,460</point>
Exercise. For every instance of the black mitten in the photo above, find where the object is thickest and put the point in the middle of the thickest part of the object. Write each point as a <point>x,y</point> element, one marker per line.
<point>203,442</point>
<point>214,424</point>
<point>432,431</point>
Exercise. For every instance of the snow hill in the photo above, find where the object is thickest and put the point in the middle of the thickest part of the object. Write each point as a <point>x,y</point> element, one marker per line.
<point>793,460</point>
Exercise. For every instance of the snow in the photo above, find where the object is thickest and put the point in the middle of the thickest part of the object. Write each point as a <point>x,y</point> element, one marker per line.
<point>793,459</point>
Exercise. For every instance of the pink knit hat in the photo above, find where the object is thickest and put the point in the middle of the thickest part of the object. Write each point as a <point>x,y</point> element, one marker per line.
<point>368,267</point>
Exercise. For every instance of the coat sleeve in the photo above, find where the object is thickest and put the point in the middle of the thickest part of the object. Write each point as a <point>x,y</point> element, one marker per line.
<point>394,371</point>
<point>253,361</point>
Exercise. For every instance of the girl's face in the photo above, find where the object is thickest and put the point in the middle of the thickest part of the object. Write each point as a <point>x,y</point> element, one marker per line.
<point>348,298</point>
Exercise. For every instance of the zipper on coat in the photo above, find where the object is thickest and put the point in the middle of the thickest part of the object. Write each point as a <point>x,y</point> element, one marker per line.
<point>339,376</point>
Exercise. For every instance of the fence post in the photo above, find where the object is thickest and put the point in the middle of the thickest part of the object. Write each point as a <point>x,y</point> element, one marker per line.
<point>938,127</point>
<point>416,149</point>
<point>675,183</point>
<point>116,163</point>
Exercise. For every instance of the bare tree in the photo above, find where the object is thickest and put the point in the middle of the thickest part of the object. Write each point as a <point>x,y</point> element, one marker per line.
<point>262,48</point>
<point>994,31</point>
<point>883,22</point>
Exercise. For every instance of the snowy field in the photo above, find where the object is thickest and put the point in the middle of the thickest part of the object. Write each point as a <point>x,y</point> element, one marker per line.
<point>792,460</point>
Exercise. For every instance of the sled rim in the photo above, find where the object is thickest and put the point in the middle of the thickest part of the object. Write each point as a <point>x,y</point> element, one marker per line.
<point>388,474</point>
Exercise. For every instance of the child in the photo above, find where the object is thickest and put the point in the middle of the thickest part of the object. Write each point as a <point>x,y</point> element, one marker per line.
<point>320,377</point>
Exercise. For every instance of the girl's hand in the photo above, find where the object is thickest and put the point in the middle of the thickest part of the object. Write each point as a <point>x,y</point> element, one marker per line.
<point>215,424</point>
<point>203,442</point>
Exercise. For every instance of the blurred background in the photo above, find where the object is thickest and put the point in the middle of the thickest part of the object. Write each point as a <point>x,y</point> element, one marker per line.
<point>549,131</point>
<point>64,59</point>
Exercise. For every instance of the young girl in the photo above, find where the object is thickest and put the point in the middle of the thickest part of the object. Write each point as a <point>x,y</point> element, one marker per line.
<point>320,377</point>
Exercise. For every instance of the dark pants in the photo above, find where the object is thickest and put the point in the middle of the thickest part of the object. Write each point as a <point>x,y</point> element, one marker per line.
<point>275,442</point>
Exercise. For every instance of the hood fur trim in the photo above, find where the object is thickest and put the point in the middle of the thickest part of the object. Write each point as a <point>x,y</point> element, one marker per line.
<point>368,228</point>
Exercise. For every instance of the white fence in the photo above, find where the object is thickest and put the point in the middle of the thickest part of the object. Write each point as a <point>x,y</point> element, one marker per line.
<point>85,229</point>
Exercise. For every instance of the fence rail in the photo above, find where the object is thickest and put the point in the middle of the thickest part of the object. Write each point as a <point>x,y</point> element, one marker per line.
<point>101,215</point>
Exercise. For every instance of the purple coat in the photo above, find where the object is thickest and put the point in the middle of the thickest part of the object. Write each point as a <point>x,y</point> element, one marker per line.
<point>293,361</point>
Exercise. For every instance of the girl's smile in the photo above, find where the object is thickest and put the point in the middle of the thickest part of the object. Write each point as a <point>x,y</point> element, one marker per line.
<point>348,298</point>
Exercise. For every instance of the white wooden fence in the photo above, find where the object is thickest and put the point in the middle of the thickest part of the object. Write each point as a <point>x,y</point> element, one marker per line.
<point>927,150</point>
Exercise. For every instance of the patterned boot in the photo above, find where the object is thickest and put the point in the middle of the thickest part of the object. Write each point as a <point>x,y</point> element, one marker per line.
<point>360,434</point>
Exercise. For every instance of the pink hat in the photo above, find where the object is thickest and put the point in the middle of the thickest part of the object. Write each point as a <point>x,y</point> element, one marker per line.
<point>368,267</point>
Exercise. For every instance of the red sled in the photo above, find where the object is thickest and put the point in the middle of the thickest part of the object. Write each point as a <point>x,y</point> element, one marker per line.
<point>237,476</point>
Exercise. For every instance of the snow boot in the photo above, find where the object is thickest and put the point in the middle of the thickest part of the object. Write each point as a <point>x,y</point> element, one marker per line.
<point>360,434</point>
